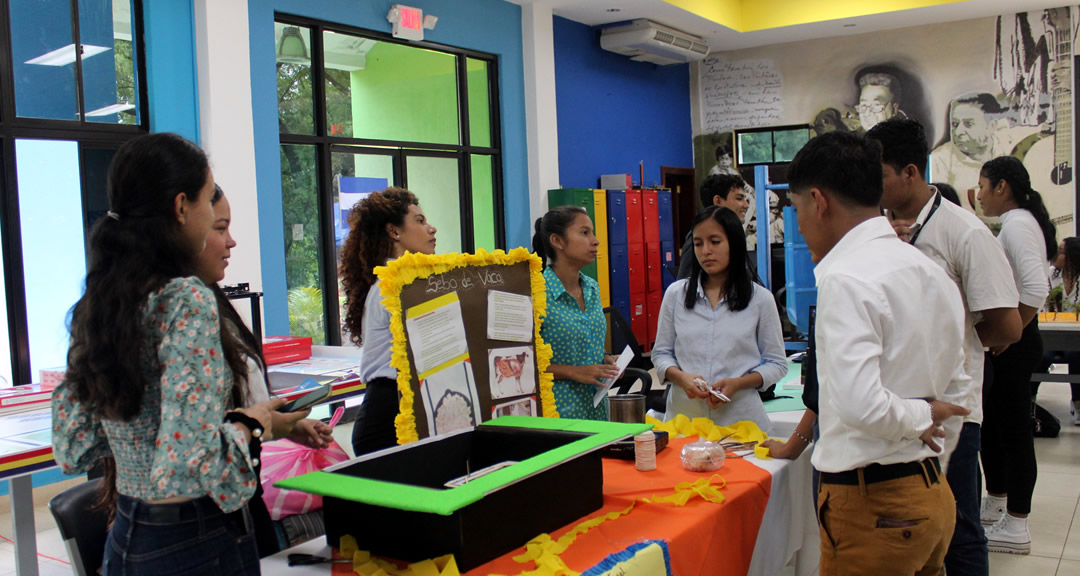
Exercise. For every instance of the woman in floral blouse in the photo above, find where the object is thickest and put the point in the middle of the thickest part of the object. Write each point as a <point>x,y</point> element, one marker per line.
<point>147,384</point>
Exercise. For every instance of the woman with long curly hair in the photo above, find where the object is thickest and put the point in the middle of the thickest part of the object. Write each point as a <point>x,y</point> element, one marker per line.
<point>382,227</point>
<point>148,386</point>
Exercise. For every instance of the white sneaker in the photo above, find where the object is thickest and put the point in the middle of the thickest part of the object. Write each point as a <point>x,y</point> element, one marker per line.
<point>993,510</point>
<point>1009,536</point>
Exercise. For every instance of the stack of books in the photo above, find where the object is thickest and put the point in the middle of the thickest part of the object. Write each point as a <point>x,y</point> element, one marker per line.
<point>26,397</point>
<point>282,349</point>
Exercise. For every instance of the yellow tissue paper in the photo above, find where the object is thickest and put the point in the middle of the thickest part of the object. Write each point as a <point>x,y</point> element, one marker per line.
<point>348,546</point>
<point>703,487</point>
<point>743,431</point>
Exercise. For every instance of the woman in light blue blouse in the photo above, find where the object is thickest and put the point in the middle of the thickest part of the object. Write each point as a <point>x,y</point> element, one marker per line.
<point>147,384</point>
<point>574,323</point>
<point>719,330</point>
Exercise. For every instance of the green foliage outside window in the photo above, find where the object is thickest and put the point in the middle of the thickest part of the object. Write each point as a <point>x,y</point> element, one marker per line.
<point>755,148</point>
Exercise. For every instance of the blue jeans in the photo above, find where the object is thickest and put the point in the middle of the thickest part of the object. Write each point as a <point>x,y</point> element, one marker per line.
<point>967,552</point>
<point>193,537</point>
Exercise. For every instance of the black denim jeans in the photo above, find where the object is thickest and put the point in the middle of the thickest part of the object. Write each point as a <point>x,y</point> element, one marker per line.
<point>968,555</point>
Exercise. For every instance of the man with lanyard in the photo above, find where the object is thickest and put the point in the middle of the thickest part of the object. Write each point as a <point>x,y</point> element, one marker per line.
<point>889,339</point>
<point>973,259</point>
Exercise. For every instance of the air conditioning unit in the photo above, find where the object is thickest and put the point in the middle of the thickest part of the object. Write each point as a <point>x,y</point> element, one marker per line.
<point>646,41</point>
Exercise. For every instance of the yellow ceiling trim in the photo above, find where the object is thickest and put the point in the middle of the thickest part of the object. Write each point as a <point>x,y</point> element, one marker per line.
<point>751,15</point>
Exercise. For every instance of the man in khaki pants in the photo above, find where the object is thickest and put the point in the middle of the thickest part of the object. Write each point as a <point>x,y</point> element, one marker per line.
<point>890,369</point>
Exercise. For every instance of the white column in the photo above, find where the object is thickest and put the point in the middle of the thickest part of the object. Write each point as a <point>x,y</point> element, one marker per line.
<point>225,122</point>
<point>541,120</point>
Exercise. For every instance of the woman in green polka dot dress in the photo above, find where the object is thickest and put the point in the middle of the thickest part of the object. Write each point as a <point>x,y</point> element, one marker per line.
<point>574,324</point>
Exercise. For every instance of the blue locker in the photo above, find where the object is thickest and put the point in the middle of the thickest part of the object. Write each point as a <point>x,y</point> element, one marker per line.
<point>667,221</point>
<point>620,274</point>
<point>622,304</point>
<point>616,212</point>
<point>667,258</point>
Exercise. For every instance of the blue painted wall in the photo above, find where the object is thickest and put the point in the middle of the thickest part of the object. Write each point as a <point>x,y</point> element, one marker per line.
<point>614,112</point>
<point>171,77</point>
<point>492,26</point>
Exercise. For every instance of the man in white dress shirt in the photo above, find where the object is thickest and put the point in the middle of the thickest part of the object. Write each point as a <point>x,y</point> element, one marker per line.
<point>973,259</point>
<point>890,329</point>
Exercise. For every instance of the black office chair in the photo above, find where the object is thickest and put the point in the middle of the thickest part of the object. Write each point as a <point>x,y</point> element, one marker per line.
<point>83,528</point>
<point>638,370</point>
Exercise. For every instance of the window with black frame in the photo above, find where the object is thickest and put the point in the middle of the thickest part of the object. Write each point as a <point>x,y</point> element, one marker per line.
<point>359,111</point>
<point>71,92</point>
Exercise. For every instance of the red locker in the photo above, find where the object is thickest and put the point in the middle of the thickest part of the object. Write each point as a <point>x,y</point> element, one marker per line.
<point>655,281</point>
<point>634,234</point>
<point>638,268</point>
<point>651,216</point>
<point>654,301</point>
<point>639,319</point>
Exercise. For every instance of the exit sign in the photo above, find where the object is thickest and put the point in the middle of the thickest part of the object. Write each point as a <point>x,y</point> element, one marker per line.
<point>408,22</point>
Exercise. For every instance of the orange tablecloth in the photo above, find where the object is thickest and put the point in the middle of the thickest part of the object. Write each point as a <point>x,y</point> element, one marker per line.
<point>703,537</point>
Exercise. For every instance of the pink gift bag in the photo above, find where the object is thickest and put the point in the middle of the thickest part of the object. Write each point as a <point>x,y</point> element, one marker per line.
<point>283,459</point>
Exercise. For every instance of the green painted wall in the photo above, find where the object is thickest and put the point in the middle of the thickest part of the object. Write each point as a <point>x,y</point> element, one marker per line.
<point>406,93</point>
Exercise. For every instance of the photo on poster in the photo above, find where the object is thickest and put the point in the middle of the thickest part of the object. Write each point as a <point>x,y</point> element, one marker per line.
<point>511,371</point>
<point>521,407</point>
<point>450,399</point>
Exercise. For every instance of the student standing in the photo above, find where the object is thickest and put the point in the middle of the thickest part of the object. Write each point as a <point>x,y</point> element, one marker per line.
<point>969,254</point>
<point>889,338</point>
<point>243,352</point>
<point>719,329</point>
<point>574,324</point>
<point>727,190</point>
<point>1008,455</point>
<point>147,384</point>
<point>382,227</point>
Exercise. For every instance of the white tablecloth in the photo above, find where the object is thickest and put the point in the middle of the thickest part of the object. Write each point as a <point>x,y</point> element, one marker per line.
<point>789,530</point>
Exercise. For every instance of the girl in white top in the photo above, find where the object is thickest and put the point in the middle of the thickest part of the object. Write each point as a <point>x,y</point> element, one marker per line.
<point>1008,449</point>
<point>718,330</point>
<point>382,227</point>
<point>242,348</point>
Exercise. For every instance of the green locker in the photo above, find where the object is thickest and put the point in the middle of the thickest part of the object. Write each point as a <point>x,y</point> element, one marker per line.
<point>583,197</point>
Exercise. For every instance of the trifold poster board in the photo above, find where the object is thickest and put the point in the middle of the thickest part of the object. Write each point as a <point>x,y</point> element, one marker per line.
<point>467,344</point>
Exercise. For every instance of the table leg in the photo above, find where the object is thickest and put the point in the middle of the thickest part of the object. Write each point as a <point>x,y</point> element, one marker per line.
<point>22,523</point>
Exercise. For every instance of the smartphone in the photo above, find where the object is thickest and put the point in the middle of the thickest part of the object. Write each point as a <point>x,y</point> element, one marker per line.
<point>307,400</point>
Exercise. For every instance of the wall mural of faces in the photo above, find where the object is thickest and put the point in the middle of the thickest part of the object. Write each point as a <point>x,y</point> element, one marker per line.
<point>981,88</point>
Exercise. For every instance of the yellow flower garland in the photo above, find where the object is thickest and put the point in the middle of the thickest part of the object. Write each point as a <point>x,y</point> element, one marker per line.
<point>398,274</point>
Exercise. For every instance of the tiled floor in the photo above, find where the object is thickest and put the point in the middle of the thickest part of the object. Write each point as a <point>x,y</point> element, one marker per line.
<point>1055,517</point>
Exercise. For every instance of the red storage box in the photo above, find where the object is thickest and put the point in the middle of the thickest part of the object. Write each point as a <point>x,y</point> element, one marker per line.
<point>282,349</point>
<point>287,356</point>
<point>276,344</point>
